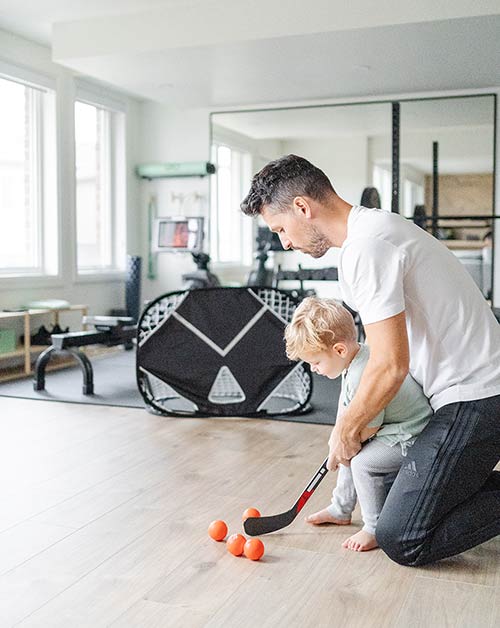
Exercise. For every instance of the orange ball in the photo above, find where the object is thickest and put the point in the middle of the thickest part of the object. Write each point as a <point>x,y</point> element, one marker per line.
<point>217,530</point>
<point>254,549</point>
<point>250,512</point>
<point>235,544</point>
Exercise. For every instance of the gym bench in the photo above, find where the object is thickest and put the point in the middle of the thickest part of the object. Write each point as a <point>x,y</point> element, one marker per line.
<point>110,331</point>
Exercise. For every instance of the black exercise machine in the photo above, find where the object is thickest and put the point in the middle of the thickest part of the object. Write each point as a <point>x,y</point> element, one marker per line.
<point>202,277</point>
<point>266,241</point>
<point>109,331</point>
<point>316,274</point>
<point>305,274</point>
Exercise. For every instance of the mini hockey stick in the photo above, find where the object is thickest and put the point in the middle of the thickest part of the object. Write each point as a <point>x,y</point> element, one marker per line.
<point>262,525</point>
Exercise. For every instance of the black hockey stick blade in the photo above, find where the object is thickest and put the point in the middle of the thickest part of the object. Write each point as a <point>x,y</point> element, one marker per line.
<point>255,526</point>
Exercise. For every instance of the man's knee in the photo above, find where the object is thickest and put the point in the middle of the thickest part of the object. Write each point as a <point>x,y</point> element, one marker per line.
<point>409,553</point>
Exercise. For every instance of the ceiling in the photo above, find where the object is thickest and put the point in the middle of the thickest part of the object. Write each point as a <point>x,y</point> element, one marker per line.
<point>223,53</point>
<point>34,19</point>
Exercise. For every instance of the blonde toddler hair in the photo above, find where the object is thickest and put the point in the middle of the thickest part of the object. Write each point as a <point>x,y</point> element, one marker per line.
<point>317,324</point>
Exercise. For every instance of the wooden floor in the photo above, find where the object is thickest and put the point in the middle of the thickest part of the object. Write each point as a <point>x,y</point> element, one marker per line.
<point>103,519</point>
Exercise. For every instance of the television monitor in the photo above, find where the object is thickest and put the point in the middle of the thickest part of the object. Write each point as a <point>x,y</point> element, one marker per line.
<point>178,234</point>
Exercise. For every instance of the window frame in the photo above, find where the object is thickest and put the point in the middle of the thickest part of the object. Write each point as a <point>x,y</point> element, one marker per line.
<point>384,186</point>
<point>99,97</point>
<point>42,102</point>
<point>247,228</point>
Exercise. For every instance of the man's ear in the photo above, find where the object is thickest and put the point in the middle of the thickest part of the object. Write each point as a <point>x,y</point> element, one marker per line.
<point>301,205</point>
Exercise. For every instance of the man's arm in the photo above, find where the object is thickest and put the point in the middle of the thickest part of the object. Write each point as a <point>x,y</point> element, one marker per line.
<point>385,371</point>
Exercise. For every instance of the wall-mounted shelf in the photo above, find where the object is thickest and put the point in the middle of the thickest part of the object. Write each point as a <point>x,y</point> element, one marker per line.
<point>450,223</point>
<point>463,244</point>
<point>169,170</point>
<point>462,223</point>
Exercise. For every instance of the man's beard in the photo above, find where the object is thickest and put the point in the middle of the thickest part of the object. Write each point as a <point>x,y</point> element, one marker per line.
<point>318,244</point>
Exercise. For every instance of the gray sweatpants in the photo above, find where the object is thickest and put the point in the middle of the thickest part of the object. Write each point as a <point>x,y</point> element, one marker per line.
<point>364,480</point>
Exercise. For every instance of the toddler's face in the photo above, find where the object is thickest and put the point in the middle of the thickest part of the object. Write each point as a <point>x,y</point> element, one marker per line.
<point>329,363</point>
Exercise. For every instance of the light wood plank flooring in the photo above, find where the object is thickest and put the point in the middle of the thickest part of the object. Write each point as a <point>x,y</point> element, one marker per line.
<point>103,519</point>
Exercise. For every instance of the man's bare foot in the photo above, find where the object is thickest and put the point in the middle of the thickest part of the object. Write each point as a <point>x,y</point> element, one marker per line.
<point>323,516</point>
<point>362,541</point>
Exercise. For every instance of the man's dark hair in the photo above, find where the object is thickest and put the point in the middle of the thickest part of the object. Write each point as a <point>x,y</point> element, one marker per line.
<point>281,180</point>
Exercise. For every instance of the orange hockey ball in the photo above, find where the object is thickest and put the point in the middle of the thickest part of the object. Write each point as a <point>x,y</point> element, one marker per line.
<point>254,549</point>
<point>250,512</point>
<point>235,544</point>
<point>217,530</point>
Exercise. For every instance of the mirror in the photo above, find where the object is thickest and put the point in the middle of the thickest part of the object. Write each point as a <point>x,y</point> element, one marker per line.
<point>446,160</point>
<point>336,139</point>
<point>447,168</point>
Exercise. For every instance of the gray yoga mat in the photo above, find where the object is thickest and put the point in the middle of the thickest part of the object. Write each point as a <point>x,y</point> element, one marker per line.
<point>115,385</point>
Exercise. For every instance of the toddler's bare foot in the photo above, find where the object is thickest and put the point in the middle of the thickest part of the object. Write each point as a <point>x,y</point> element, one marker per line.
<point>323,516</point>
<point>362,541</point>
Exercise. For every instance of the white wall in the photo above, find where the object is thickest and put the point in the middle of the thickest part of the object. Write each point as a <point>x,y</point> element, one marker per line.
<point>343,159</point>
<point>262,151</point>
<point>464,150</point>
<point>100,295</point>
<point>496,223</point>
<point>168,134</point>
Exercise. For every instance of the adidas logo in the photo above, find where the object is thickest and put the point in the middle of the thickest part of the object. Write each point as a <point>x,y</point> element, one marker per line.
<point>411,469</point>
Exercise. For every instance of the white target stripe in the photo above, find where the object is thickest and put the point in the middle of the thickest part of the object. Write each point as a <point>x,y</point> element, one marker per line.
<point>222,352</point>
<point>280,385</point>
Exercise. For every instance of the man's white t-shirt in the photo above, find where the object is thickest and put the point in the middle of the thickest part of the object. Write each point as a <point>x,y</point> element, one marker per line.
<point>387,265</point>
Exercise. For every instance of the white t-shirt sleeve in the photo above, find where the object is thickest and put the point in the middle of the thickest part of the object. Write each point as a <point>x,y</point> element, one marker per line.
<point>374,271</point>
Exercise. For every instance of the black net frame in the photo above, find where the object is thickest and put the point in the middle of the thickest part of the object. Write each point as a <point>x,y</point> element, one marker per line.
<point>220,352</point>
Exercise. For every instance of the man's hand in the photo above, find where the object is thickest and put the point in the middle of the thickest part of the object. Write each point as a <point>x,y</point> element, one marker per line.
<point>343,446</point>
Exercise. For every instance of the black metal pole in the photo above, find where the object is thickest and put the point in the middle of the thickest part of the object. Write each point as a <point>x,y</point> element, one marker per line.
<point>435,188</point>
<point>395,157</point>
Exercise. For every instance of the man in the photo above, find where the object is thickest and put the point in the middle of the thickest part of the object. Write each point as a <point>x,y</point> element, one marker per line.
<point>422,313</point>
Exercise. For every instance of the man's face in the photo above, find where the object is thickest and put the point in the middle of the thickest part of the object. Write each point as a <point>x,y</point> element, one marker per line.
<point>296,232</point>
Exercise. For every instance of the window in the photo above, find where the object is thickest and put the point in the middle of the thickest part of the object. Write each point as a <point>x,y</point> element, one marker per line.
<point>413,194</point>
<point>28,180</point>
<point>231,233</point>
<point>382,180</point>
<point>100,183</point>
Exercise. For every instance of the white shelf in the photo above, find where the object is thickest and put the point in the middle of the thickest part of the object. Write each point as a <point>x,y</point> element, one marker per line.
<point>21,350</point>
<point>463,244</point>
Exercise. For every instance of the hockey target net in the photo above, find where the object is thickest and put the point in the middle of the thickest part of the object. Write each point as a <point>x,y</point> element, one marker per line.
<point>220,352</point>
